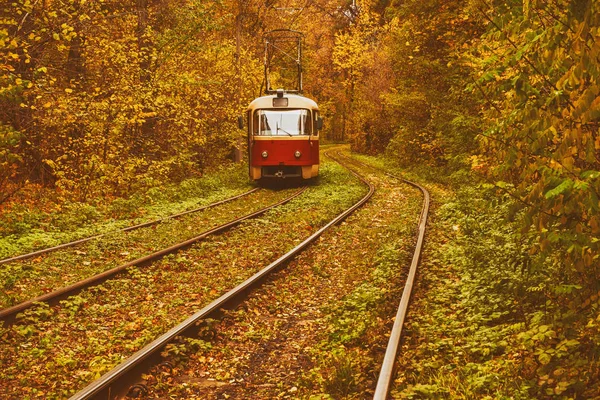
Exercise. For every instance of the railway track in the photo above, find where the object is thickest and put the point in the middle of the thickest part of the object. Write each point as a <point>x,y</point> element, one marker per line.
<point>127,229</point>
<point>118,381</point>
<point>27,279</point>
<point>387,367</point>
<point>9,314</point>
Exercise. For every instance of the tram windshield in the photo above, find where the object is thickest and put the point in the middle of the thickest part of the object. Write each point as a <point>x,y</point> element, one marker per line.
<point>282,122</point>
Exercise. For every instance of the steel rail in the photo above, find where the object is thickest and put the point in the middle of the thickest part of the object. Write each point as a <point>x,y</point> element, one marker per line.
<point>8,315</point>
<point>113,383</point>
<point>127,229</point>
<point>387,367</point>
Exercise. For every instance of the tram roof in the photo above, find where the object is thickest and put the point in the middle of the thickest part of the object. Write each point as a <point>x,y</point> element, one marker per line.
<point>294,101</point>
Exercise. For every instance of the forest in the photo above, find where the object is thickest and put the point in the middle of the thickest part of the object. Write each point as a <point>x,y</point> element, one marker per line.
<point>496,102</point>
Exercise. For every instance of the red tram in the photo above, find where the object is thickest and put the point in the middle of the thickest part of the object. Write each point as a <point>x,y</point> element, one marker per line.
<point>283,137</point>
<point>283,126</point>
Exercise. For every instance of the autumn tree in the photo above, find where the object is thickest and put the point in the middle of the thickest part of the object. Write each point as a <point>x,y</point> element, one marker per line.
<point>102,98</point>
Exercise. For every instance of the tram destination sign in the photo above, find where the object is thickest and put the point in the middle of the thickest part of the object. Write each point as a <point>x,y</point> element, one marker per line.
<point>280,102</point>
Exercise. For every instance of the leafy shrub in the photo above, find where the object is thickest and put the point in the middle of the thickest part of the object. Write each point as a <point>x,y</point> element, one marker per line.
<point>516,331</point>
<point>76,215</point>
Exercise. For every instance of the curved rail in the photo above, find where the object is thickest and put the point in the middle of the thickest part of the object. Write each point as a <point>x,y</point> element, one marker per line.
<point>385,375</point>
<point>111,384</point>
<point>8,315</point>
<point>129,228</point>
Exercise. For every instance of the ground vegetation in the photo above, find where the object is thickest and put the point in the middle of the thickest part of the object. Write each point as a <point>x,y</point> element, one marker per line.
<point>25,279</point>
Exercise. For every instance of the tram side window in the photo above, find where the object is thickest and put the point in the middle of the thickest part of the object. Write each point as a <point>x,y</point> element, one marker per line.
<point>255,123</point>
<point>307,122</point>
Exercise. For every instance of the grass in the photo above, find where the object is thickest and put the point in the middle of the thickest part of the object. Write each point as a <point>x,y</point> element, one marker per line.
<point>32,225</point>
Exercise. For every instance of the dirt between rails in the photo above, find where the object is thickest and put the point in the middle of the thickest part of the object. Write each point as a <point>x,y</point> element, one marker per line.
<point>26,279</point>
<point>318,329</point>
<point>51,352</point>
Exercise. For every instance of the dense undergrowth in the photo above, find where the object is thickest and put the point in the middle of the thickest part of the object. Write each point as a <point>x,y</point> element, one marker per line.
<point>491,318</point>
<point>516,336</point>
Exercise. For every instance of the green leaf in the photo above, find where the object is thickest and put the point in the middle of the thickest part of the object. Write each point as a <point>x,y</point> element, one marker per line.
<point>590,174</point>
<point>567,184</point>
<point>544,358</point>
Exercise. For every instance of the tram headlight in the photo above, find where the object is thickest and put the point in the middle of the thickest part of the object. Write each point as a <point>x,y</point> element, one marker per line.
<point>265,154</point>
<point>297,154</point>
